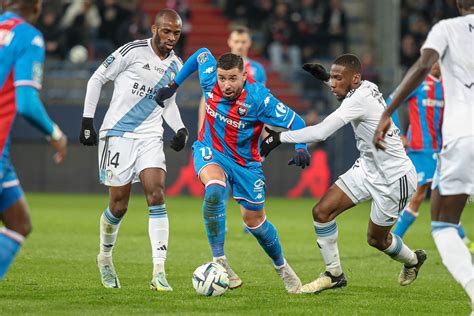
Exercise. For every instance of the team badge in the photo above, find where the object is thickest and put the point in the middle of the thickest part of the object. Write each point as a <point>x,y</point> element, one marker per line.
<point>242,111</point>
<point>202,58</point>
<point>207,157</point>
<point>108,61</point>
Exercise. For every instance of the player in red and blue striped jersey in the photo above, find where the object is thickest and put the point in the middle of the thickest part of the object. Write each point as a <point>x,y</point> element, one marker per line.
<point>21,66</point>
<point>423,141</point>
<point>227,152</point>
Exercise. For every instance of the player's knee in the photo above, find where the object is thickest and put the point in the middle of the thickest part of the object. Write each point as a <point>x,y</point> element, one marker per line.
<point>23,228</point>
<point>156,197</point>
<point>321,213</point>
<point>253,219</point>
<point>214,196</point>
<point>376,241</point>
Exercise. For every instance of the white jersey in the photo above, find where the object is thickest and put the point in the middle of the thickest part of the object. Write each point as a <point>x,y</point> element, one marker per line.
<point>453,39</point>
<point>363,108</point>
<point>138,73</point>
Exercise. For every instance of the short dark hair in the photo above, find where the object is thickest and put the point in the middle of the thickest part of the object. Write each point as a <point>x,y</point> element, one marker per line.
<point>350,61</point>
<point>240,29</point>
<point>170,13</point>
<point>230,61</point>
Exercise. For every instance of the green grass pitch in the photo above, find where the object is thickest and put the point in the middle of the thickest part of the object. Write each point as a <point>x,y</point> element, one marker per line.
<point>55,272</point>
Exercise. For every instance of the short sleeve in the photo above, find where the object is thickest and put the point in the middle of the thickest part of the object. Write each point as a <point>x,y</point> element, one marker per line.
<point>28,69</point>
<point>437,39</point>
<point>207,70</point>
<point>113,65</point>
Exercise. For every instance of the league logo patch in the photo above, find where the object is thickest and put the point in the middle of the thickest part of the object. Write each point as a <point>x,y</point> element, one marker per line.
<point>242,111</point>
<point>108,61</point>
<point>207,157</point>
<point>202,58</point>
<point>37,72</point>
<point>109,174</point>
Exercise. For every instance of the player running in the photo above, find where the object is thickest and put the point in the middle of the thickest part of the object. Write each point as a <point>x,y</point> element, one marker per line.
<point>131,138</point>
<point>21,68</point>
<point>451,43</point>
<point>423,143</point>
<point>226,152</point>
<point>387,178</point>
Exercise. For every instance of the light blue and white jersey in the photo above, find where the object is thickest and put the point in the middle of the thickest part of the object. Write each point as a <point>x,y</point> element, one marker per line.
<point>138,73</point>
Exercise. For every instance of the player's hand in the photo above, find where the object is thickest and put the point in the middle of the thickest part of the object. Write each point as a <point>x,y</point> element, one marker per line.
<point>60,146</point>
<point>302,158</point>
<point>180,139</point>
<point>88,135</point>
<point>317,70</point>
<point>382,129</point>
<point>165,93</point>
<point>270,142</point>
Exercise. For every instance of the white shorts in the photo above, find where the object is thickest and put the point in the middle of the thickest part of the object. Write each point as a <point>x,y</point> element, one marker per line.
<point>387,200</point>
<point>455,169</point>
<point>122,159</point>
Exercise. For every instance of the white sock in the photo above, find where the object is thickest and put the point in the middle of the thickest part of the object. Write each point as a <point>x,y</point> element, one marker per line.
<point>109,226</point>
<point>400,252</point>
<point>327,242</point>
<point>456,257</point>
<point>158,230</point>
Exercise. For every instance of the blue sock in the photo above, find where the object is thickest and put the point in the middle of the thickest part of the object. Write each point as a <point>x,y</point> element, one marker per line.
<point>403,223</point>
<point>10,243</point>
<point>267,237</point>
<point>213,210</point>
<point>461,231</point>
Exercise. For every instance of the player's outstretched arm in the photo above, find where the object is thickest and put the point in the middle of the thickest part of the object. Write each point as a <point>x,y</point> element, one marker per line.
<point>29,106</point>
<point>190,66</point>
<point>414,77</point>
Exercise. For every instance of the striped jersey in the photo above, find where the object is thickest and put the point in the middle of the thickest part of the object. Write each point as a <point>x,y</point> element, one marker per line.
<point>138,73</point>
<point>233,127</point>
<point>425,113</point>
<point>255,70</point>
<point>21,64</point>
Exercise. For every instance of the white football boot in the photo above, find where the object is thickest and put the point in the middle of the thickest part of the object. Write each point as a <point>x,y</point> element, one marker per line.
<point>234,279</point>
<point>159,283</point>
<point>409,274</point>
<point>325,281</point>
<point>107,272</point>
<point>290,279</point>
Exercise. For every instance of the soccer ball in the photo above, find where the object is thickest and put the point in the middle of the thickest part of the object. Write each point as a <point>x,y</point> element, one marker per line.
<point>210,279</point>
<point>78,54</point>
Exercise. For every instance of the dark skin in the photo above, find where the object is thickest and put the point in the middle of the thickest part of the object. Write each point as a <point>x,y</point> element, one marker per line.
<point>166,33</point>
<point>342,80</point>
<point>443,208</point>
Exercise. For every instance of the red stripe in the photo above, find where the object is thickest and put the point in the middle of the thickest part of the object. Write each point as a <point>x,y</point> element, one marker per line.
<point>257,130</point>
<point>213,102</point>
<point>7,110</point>
<point>415,126</point>
<point>10,24</point>
<point>231,132</point>
<point>431,95</point>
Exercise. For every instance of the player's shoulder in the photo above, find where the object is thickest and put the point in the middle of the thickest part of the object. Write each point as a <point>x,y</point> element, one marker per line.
<point>256,91</point>
<point>132,48</point>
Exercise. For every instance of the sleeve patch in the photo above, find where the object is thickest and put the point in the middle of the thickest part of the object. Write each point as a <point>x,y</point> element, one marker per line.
<point>37,72</point>
<point>202,58</point>
<point>108,61</point>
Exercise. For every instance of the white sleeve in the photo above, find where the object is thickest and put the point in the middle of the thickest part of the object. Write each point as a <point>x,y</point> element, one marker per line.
<point>171,114</point>
<point>94,86</point>
<point>314,133</point>
<point>437,39</point>
<point>107,71</point>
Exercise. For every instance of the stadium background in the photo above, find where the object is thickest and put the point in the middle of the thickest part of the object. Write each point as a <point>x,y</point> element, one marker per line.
<point>285,34</point>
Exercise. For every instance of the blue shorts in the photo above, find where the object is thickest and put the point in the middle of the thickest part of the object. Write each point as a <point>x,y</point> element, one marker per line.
<point>10,189</point>
<point>247,183</point>
<point>425,165</point>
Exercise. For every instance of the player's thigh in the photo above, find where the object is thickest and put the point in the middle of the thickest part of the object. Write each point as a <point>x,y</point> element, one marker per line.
<point>455,170</point>
<point>207,164</point>
<point>447,208</point>
<point>117,157</point>
<point>334,202</point>
<point>389,200</point>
